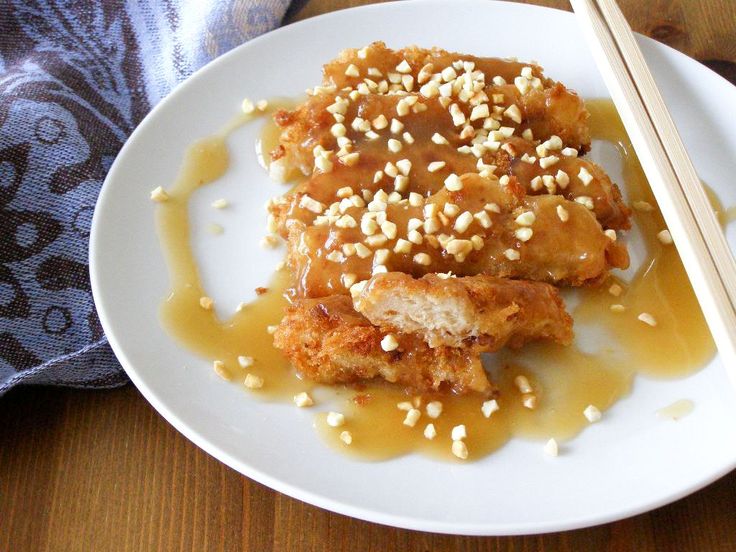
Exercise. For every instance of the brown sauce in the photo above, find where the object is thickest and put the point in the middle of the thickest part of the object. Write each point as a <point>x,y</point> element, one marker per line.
<point>565,379</point>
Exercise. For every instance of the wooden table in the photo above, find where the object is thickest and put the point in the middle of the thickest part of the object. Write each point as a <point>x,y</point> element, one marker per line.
<point>102,471</point>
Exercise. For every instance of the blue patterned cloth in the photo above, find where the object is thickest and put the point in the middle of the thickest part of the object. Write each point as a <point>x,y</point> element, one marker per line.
<point>75,79</point>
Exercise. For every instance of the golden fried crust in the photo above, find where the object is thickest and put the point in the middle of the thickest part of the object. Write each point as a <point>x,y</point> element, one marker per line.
<point>328,342</point>
<point>573,252</point>
<point>454,312</point>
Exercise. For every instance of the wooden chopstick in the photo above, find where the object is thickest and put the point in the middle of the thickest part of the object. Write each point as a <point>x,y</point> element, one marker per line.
<point>684,204</point>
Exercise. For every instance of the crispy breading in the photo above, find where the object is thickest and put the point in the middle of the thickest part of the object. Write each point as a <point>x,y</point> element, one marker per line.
<point>483,310</point>
<point>328,342</point>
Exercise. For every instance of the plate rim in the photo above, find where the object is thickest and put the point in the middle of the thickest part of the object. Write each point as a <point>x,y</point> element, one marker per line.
<point>294,491</point>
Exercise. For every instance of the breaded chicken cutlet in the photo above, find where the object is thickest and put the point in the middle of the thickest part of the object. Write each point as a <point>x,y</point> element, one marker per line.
<point>328,342</point>
<point>449,311</point>
<point>483,228</point>
<point>422,164</point>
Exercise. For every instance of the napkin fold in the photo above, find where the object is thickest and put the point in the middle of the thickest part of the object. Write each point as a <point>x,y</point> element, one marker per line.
<point>75,80</point>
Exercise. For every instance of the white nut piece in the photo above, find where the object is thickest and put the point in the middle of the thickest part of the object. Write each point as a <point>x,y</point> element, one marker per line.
<point>551,448</point>
<point>252,381</point>
<point>460,449</point>
<point>592,414</point>
<point>335,419</point>
<point>389,343</point>
<point>489,407</point>
<point>459,432</point>
<point>412,417</point>
<point>303,400</point>
<point>434,409</point>
<point>430,432</point>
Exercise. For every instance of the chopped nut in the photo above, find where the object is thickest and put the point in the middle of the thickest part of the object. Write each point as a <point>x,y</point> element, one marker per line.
<point>513,113</point>
<point>610,234</point>
<point>489,407</point>
<point>311,204</point>
<point>335,419</point>
<point>402,246</point>
<point>252,381</point>
<point>348,279</point>
<point>647,319</point>
<point>665,237</point>
<point>430,432</point>
<point>423,259</point>
<point>159,195</point>
<point>526,219</point>
<point>206,302</point>
<point>617,308</point>
<point>459,432</point>
<point>404,166</point>
<point>271,329</point>
<point>460,449</point>
<point>438,139</point>
<point>219,367</point>
<point>352,71</point>
<point>415,199</point>
<point>262,105</point>
<point>548,161</point>
<point>434,409</point>
<point>523,234</point>
<point>303,400</point>
<point>615,290</point>
<point>592,414</point>
<point>415,237</point>
<point>569,152</point>
<point>453,183</point>
<point>551,448</point>
<point>562,179</point>
<point>586,201</point>
<point>463,222</point>
<point>512,254</point>
<point>412,417</point>
<point>245,361</point>
<point>346,437</point>
<point>522,384</point>
<point>562,213</point>
<point>479,112</point>
<point>394,145</point>
<point>483,219</point>
<point>584,176</point>
<point>529,401</point>
<point>389,343</point>
<point>435,166</point>
<point>403,67</point>
<point>247,106</point>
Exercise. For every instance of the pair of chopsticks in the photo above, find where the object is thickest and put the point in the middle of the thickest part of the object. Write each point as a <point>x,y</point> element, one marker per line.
<point>692,223</point>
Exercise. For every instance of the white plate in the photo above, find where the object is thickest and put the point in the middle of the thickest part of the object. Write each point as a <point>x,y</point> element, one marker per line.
<point>627,464</point>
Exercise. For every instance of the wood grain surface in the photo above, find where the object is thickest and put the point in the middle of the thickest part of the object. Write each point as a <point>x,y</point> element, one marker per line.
<point>102,471</point>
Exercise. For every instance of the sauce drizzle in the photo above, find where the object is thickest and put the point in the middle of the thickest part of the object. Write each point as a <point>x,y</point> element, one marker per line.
<point>598,369</point>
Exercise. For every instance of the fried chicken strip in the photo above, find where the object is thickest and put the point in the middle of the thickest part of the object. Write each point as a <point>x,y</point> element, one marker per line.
<point>538,246</point>
<point>328,342</point>
<point>454,312</point>
<point>547,108</point>
<point>311,125</point>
